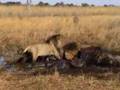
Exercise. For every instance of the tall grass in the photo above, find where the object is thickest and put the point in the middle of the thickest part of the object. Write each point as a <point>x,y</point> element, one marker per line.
<point>91,25</point>
<point>95,30</point>
<point>37,11</point>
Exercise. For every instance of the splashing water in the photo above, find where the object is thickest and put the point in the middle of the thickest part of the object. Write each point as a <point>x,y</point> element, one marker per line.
<point>5,66</point>
<point>15,68</point>
<point>2,62</point>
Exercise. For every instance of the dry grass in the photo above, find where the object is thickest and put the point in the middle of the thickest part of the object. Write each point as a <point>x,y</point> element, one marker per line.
<point>20,27</point>
<point>78,81</point>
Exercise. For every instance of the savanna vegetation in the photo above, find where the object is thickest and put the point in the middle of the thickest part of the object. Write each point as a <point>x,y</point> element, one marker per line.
<point>20,26</point>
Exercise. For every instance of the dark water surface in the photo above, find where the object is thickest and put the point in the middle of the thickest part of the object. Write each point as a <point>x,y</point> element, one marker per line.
<point>29,68</point>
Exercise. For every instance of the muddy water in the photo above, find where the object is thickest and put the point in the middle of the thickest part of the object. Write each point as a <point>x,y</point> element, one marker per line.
<point>2,61</point>
<point>29,68</point>
<point>19,69</point>
<point>5,66</point>
<point>10,68</point>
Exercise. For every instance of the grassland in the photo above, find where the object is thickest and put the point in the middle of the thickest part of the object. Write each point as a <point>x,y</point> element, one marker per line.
<point>20,27</point>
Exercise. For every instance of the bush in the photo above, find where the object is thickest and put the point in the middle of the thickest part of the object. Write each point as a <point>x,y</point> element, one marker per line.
<point>43,4</point>
<point>84,5</point>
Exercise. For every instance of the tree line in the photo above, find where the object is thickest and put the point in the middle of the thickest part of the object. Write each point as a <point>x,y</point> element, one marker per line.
<point>57,4</point>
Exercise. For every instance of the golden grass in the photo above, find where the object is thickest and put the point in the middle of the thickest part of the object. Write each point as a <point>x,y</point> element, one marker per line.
<point>20,27</point>
<point>65,82</point>
<point>20,11</point>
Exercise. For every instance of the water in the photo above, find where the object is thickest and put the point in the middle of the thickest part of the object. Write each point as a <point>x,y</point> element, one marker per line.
<point>25,68</point>
<point>5,66</point>
<point>2,62</point>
